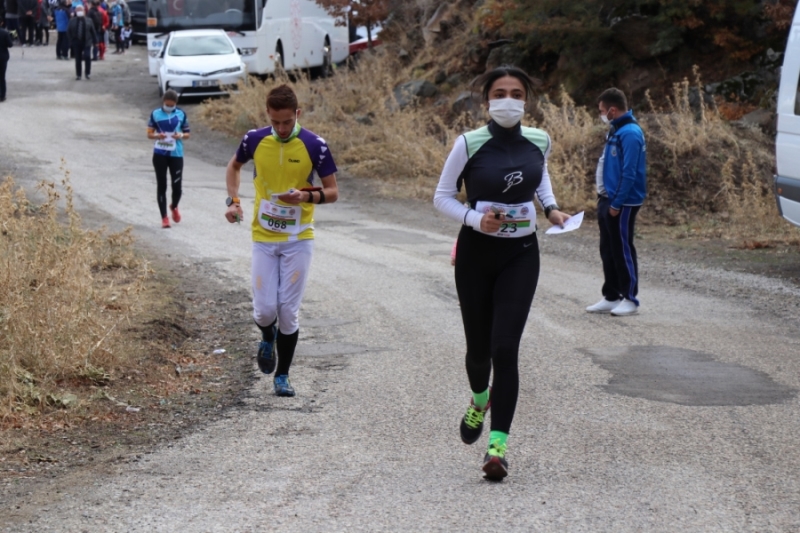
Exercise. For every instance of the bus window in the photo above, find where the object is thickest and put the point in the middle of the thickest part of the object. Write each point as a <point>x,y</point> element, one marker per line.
<point>230,15</point>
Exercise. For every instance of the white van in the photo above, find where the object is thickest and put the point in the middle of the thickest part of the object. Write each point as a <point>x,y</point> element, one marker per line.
<point>787,144</point>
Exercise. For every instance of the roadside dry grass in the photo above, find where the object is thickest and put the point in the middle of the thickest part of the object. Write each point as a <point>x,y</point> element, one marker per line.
<point>707,177</point>
<point>81,314</point>
<point>64,293</point>
<point>101,353</point>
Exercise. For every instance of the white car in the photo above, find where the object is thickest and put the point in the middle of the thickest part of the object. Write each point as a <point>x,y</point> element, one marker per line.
<point>787,142</point>
<point>199,63</point>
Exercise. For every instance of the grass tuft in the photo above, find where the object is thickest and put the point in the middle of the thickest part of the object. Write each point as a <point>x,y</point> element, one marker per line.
<point>63,293</point>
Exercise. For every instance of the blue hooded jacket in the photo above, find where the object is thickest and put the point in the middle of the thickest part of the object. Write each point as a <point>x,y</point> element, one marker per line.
<point>625,165</point>
<point>62,18</point>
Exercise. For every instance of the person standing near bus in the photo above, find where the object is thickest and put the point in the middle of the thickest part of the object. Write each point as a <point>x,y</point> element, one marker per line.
<point>503,166</point>
<point>286,158</point>
<point>81,39</point>
<point>169,127</point>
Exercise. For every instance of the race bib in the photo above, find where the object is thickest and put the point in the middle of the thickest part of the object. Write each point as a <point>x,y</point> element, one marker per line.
<point>279,218</point>
<point>520,219</point>
<point>168,144</point>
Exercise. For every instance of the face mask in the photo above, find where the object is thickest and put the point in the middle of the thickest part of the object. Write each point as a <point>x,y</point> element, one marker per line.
<point>168,108</point>
<point>79,14</point>
<point>604,118</point>
<point>507,112</point>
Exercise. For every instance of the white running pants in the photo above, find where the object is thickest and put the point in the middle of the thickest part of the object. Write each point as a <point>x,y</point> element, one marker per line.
<point>279,275</point>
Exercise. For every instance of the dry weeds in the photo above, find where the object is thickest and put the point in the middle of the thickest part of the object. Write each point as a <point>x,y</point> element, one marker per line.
<point>64,293</point>
<point>706,176</point>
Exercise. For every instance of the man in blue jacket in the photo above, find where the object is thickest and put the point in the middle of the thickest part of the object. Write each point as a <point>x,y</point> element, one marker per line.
<point>621,190</point>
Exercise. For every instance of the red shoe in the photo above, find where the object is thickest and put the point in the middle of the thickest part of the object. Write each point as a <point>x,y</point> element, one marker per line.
<point>165,223</point>
<point>176,215</point>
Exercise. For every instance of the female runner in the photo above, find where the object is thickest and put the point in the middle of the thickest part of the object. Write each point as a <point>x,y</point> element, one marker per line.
<point>503,166</point>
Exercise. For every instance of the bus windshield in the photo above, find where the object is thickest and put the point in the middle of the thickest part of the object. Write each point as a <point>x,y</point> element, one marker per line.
<point>164,16</point>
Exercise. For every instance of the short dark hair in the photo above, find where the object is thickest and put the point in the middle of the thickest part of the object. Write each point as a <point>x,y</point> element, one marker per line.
<point>613,97</point>
<point>486,80</point>
<point>170,95</point>
<point>282,97</point>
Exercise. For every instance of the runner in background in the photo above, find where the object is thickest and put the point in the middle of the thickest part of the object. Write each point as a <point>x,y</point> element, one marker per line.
<point>286,158</point>
<point>168,127</point>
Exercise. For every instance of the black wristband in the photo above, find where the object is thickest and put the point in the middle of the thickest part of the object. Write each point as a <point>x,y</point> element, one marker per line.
<point>310,197</point>
<point>321,197</point>
<point>549,209</point>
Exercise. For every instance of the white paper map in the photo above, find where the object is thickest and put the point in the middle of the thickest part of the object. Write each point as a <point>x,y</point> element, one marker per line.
<point>573,223</point>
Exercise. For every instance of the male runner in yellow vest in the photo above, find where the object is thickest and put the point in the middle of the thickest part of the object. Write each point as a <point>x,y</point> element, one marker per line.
<point>286,158</point>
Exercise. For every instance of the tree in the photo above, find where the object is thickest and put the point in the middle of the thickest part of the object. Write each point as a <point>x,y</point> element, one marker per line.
<point>367,13</point>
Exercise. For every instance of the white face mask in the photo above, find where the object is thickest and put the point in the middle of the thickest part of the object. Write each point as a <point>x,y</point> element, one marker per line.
<point>507,112</point>
<point>604,118</point>
<point>168,108</point>
<point>79,13</point>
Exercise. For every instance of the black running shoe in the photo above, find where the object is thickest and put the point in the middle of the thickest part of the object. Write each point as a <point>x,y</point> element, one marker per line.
<point>495,466</point>
<point>267,358</point>
<point>472,423</point>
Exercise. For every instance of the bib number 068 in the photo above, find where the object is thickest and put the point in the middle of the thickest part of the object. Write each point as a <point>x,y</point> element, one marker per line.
<point>277,224</point>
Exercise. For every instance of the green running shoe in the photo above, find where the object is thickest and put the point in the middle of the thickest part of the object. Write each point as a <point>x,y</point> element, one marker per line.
<point>472,423</point>
<point>495,466</point>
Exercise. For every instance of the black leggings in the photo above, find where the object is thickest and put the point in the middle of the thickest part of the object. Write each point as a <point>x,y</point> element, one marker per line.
<point>496,279</point>
<point>162,163</point>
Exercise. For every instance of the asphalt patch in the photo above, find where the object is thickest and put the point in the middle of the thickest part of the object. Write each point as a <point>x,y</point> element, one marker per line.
<point>686,377</point>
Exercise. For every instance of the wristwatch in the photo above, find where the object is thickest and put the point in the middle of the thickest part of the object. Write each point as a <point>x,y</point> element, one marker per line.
<point>230,201</point>
<point>549,209</point>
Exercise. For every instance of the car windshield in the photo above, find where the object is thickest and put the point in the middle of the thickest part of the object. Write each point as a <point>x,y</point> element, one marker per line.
<point>201,45</point>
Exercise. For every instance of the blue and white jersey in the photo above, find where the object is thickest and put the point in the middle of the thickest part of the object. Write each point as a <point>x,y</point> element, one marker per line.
<point>163,122</point>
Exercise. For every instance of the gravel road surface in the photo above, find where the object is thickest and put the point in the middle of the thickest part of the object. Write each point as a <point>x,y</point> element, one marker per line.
<point>683,418</point>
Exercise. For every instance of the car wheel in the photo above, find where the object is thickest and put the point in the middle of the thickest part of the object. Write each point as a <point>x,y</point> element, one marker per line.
<point>279,56</point>
<point>160,89</point>
<point>326,69</point>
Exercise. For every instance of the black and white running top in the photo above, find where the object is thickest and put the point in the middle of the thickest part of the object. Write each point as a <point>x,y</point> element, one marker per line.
<point>499,166</point>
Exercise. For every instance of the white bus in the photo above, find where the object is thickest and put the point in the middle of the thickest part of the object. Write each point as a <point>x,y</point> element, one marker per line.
<point>296,34</point>
<point>787,143</point>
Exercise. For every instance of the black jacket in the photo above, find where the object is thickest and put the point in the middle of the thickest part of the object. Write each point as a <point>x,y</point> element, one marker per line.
<point>6,42</point>
<point>11,7</point>
<point>81,31</point>
<point>24,6</point>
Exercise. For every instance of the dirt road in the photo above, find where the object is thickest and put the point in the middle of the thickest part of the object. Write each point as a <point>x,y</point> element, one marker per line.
<point>684,417</point>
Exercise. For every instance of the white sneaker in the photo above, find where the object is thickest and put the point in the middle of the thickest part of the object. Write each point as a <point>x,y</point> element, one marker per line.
<point>603,306</point>
<point>625,308</point>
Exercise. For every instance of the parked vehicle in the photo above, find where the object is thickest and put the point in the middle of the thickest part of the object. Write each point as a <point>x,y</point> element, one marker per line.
<point>289,34</point>
<point>787,143</point>
<point>359,40</point>
<point>199,63</point>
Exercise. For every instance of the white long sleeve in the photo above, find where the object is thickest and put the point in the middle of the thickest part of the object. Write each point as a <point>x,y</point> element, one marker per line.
<point>446,191</point>
<point>545,189</point>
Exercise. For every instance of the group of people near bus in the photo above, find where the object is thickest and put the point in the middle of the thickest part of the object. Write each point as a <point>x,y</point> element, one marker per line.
<point>84,28</point>
<point>502,166</point>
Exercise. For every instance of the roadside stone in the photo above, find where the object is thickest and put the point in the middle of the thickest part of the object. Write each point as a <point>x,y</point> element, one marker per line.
<point>467,102</point>
<point>763,118</point>
<point>406,93</point>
